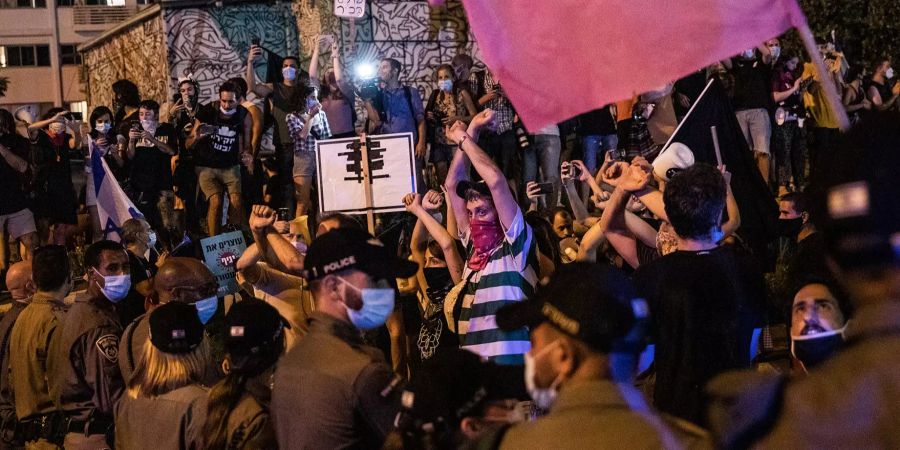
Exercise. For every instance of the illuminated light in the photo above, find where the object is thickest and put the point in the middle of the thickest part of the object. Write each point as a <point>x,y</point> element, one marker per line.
<point>365,70</point>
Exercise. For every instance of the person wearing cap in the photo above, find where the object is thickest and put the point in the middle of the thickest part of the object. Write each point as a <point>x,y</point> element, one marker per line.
<point>29,342</point>
<point>21,288</point>
<point>451,401</point>
<point>271,266</point>
<point>179,279</point>
<point>853,399</point>
<point>84,376</point>
<point>331,390</point>
<point>501,266</point>
<point>585,314</point>
<point>165,404</point>
<point>238,414</point>
<point>706,298</point>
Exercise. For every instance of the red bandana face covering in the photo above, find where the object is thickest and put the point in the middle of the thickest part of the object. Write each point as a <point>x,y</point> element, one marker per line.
<point>486,236</point>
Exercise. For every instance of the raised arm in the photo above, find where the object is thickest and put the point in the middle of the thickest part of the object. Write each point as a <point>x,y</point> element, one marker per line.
<point>731,206</point>
<point>414,204</point>
<point>260,89</point>
<point>314,60</point>
<point>568,181</point>
<point>504,202</point>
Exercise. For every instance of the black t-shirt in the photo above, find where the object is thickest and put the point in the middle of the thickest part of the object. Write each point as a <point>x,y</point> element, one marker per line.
<point>222,148</point>
<point>598,122</point>
<point>132,306</point>
<point>151,168</point>
<point>704,307</point>
<point>752,84</point>
<point>12,197</point>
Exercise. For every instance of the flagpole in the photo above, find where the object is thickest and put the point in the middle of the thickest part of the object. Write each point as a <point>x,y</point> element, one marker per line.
<point>685,118</point>
<point>831,94</point>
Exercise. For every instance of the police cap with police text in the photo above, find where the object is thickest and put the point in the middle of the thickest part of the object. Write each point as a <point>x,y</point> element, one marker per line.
<point>347,248</point>
<point>593,303</point>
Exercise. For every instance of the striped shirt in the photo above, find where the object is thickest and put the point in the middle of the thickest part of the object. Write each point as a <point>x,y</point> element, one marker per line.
<point>510,276</point>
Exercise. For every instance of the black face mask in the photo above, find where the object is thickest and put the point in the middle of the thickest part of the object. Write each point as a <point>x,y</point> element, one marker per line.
<point>812,352</point>
<point>439,282</point>
<point>790,228</point>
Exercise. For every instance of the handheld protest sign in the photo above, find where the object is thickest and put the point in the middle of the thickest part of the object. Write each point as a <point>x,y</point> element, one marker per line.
<point>220,253</point>
<point>351,9</point>
<point>342,171</point>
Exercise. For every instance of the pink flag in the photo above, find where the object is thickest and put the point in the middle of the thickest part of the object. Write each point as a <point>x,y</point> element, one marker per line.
<point>556,59</point>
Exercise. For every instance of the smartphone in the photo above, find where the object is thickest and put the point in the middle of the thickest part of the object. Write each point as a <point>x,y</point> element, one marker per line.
<point>545,188</point>
<point>254,40</point>
<point>76,116</point>
<point>206,128</point>
<point>136,126</point>
<point>575,170</point>
<point>283,214</point>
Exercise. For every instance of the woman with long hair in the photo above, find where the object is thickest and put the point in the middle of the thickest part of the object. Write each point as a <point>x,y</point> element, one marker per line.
<point>164,406</point>
<point>307,124</point>
<point>103,136</point>
<point>449,103</point>
<point>238,415</point>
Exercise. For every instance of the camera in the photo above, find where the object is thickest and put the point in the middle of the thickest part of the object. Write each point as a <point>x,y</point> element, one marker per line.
<point>369,89</point>
<point>282,214</point>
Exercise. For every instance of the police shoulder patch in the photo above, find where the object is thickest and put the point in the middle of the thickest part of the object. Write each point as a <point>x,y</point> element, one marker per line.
<point>108,345</point>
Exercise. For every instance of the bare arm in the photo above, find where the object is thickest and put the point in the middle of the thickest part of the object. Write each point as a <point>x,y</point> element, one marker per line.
<point>504,202</point>
<point>374,117</point>
<point>784,95</point>
<point>653,200</point>
<point>314,59</point>
<point>437,232</point>
<point>734,213</point>
<point>194,136</point>
<point>470,107</point>
<point>458,171</point>
<point>260,89</point>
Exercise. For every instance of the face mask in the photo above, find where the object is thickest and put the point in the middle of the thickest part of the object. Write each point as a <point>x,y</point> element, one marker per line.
<point>206,308</point>
<point>152,238</point>
<point>437,277</point>
<point>115,287</point>
<point>790,228</point>
<point>300,246</point>
<point>889,73</point>
<point>776,51</point>
<point>543,397</point>
<point>289,73</point>
<point>446,85</point>
<point>227,112</point>
<point>377,304</point>
<point>486,236</point>
<point>748,54</point>
<point>57,128</point>
<point>103,127</point>
<point>311,103</point>
<point>813,349</point>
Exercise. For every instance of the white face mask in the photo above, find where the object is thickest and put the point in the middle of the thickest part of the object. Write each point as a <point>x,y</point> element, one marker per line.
<point>776,51</point>
<point>377,305</point>
<point>300,246</point>
<point>543,397</point>
<point>149,125</point>
<point>889,73</point>
<point>227,112</point>
<point>289,73</point>
<point>749,53</point>
<point>446,85</point>
<point>115,287</point>
<point>103,127</point>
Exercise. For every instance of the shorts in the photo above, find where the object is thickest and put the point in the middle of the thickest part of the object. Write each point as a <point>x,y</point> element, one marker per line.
<point>442,153</point>
<point>18,224</point>
<point>213,180</point>
<point>305,165</point>
<point>757,128</point>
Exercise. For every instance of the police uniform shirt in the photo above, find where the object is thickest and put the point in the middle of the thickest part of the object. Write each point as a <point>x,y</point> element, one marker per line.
<point>332,391</point>
<point>7,408</point>
<point>599,414</point>
<point>85,380</point>
<point>173,420</point>
<point>29,344</point>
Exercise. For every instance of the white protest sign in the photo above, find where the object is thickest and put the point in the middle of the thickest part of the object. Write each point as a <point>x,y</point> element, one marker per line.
<point>340,173</point>
<point>350,8</point>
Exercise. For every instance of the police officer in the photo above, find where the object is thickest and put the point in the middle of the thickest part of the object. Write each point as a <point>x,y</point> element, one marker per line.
<point>584,314</point>
<point>29,343</point>
<point>184,280</point>
<point>21,288</point>
<point>85,382</point>
<point>331,390</point>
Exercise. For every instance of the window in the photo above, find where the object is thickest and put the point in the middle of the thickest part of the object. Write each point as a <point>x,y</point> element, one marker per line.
<point>24,55</point>
<point>68,55</point>
<point>23,3</point>
<point>65,2</point>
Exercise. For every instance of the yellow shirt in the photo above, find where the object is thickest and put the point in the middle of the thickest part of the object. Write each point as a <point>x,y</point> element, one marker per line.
<point>816,100</point>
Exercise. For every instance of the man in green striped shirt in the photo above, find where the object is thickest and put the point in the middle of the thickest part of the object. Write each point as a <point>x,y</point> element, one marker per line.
<point>502,265</point>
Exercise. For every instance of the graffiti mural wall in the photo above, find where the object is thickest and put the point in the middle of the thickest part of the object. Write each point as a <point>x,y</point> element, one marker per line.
<point>137,54</point>
<point>418,36</point>
<point>212,43</point>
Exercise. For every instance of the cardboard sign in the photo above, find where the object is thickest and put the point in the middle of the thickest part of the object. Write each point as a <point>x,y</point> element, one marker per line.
<point>340,173</point>
<point>221,253</point>
<point>350,8</point>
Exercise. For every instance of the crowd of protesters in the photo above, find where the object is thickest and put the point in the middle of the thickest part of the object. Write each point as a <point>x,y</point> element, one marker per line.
<point>584,285</point>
